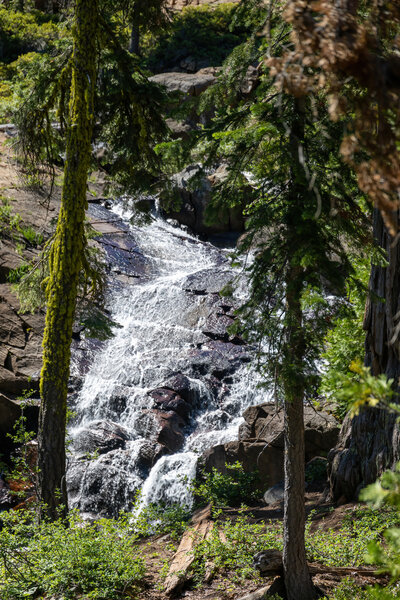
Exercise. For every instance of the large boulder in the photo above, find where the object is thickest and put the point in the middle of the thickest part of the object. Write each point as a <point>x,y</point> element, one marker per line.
<point>100,437</point>
<point>194,198</point>
<point>10,411</point>
<point>190,84</point>
<point>168,400</point>
<point>261,442</point>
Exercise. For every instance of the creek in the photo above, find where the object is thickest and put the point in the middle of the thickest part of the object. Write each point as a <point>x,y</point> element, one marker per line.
<point>171,381</point>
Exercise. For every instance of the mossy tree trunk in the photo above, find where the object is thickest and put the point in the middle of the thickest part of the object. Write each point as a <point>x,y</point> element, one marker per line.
<point>65,264</point>
<point>296,575</point>
<point>370,442</point>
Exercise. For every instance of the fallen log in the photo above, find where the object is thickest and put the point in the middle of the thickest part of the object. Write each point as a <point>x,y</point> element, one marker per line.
<point>269,562</point>
<point>184,556</point>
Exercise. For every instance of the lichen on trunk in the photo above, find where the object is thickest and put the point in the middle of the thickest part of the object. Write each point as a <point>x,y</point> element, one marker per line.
<point>65,264</point>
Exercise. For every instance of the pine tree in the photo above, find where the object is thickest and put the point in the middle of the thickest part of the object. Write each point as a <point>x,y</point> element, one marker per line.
<point>351,49</point>
<point>283,166</point>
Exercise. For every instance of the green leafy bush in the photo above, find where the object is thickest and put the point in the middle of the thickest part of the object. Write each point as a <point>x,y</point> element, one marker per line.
<point>203,34</point>
<point>348,590</point>
<point>227,489</point>
<point>386,491</point>
<point>160,518</point>
<point>349,545</point>
<point>344,343</point>
<point>232,546</point>
<point>24,32</point>
<point>96,561</point>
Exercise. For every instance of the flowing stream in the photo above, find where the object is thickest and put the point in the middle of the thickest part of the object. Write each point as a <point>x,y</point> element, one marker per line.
<point>170,328</point>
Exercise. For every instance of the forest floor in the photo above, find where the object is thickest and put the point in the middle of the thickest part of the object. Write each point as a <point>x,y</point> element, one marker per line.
<point>226,582</point>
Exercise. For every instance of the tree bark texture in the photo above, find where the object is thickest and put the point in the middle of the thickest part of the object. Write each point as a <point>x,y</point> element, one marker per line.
<point>65,265</point>
<point>296,574</point>
<point>134,42</point>
<point>370,442</point>
<point>297,578</point>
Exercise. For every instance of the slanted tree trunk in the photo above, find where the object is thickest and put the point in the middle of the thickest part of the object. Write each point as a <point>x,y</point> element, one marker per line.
<point>65,265</point>
<point>296,575</point>
<point>370,442</point>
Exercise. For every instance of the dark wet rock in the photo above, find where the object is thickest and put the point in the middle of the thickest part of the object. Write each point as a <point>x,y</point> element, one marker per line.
<point>89,484</point>
<point>168,400</point>
<point>100,437</point>
<point>208,281</point>
<point>163,427</point>
<point>182,385</point>
<point>217,359</point>
<point>170,429</point>
<point>195,193</point>
<point>121,249</point>
<point>149,454</point>
<point>216,327</point>
<point>10,412</point>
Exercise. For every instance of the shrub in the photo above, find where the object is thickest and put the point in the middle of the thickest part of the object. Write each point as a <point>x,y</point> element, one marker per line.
<point>344,343</point>
<point>201,33</point>
<point>160,518</point>
<point>227,489</point>
<point>98,561</point>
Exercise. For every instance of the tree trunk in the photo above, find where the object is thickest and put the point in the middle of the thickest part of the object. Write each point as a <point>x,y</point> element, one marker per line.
<point>297,578</point>
<point>296,575</point>
<point>134,42</point>
<point>370,442</point>
<point>65,265</point>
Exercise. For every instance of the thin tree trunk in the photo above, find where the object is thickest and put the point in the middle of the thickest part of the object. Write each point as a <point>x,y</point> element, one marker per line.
<point>297,578</point>
<point>65,265</point>
<point>134,42</point>
<point>370,442</point>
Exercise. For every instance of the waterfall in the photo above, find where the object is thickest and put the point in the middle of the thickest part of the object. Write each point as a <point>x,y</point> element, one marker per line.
<point>170,323</point>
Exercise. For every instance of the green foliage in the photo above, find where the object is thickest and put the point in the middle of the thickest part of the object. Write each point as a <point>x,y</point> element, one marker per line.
<point>344,342</point>
<point>29,41</point>
<point>23,469</point>
<point>360,388</point>
<point>97,561</point>
<point>24,32</point>
<point>227,489</point>
<point>348,546</point>
<point>386,491</point>
<point>160,518</point>
<point>232,546</point>
<point>348,590</point>
<point>15,275</point>
<point>201,34</point>
<point>304,213</point>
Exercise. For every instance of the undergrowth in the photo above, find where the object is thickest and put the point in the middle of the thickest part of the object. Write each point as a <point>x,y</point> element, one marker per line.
<point>97,561</point>
<point>233,544</point>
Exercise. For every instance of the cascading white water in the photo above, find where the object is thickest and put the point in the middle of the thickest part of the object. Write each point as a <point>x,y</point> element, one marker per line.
<point>160,324</point>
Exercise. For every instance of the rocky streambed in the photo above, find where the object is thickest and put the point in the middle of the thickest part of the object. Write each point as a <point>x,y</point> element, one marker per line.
<point>170,383</point>
<point>170,386</point>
